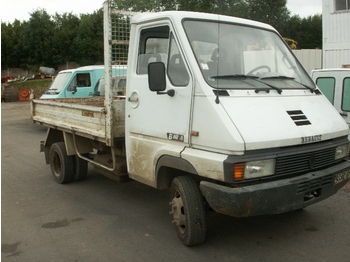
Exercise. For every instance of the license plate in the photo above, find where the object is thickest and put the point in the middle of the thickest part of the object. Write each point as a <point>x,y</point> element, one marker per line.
<point>341,177</point>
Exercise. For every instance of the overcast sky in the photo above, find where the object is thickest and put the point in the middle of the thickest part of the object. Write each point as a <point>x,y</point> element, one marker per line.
<point>21,9</point>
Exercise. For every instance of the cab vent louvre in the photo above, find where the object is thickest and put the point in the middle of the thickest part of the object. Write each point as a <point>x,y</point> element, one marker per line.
<point>298,117</point>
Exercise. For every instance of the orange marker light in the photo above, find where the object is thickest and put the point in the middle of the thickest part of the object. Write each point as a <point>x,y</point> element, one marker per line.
<point>194,133</point>
<point>238,171</point>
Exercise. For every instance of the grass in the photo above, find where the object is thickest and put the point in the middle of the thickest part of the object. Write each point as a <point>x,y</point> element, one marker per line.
<point>37,85</point>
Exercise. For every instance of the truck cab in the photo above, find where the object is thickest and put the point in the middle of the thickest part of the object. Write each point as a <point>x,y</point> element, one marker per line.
<point>79,82</point>
<point>335,85</point>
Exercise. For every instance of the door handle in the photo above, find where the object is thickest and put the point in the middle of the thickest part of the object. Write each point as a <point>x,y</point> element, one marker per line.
<point>133,99</point>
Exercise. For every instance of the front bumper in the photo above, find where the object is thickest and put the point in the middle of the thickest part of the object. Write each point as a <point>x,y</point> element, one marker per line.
<point>278,196</point>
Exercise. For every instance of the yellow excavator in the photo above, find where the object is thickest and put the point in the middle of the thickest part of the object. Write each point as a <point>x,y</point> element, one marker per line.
<point>291,42</point>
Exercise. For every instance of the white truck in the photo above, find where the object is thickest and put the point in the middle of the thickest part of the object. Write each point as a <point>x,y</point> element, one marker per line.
<point>217,109</point>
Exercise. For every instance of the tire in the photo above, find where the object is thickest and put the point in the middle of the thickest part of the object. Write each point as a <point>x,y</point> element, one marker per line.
<point>80,168</point>
<point>62,166</point>
<point>188,211</point>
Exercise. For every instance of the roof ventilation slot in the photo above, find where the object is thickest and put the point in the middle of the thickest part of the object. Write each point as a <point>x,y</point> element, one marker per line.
<point>298,117</point>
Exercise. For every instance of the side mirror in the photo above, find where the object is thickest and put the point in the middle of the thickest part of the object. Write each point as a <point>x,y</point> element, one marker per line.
<point>72,89</point>
<point>157,80</point>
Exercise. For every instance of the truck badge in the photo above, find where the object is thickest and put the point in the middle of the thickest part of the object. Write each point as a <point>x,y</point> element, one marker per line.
<point>175,137</point>
<point>311,139</point>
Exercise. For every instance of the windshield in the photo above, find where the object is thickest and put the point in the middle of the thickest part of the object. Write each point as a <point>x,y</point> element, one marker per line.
<point>58,83</point>
<point>236,56</point>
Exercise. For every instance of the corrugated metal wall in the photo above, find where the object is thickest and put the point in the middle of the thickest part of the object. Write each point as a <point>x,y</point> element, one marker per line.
<point>336,36</point>
<point>310,58</point>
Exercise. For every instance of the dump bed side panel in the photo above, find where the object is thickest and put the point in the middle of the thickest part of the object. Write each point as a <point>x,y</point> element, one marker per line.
<point>85,117</point>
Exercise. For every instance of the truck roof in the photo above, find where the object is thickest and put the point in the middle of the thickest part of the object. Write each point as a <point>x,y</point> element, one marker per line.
<point>180,15</point>
<point>331,69</point>
<point>90,67</point>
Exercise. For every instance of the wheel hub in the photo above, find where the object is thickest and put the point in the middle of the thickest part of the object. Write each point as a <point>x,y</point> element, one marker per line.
<point>178,213</point>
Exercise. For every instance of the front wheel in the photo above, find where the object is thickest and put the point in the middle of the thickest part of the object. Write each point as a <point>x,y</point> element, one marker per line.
<point>188,211</point>
<point>61,164</point>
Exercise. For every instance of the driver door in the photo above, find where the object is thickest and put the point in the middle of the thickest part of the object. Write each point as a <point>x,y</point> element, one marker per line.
<point>156,124</point>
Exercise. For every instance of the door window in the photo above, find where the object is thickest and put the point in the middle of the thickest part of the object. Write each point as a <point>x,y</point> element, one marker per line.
<point>345,106</point>
<point>153,47</point>
<point>177,71</point>
<point>80,80</point>
<point>327,87</point>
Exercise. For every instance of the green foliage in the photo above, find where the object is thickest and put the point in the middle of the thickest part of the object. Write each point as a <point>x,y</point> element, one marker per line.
<point>12,53</point>
<point>273,12</point>
<point>306,31</point>
<point>89,39</point>
<point>65,30</point>
<point>47,40</point>
<point>38,35</point>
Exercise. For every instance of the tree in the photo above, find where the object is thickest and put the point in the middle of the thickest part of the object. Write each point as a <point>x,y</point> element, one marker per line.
<point>89,39</point>
<point>12,54</point>
<point>311,32</point>
<point>38,37</point>
<point>306,31</point>
<point>273,12</point>
<point>65,29</point>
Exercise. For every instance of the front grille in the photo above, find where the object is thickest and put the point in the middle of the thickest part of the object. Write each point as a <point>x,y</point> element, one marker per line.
<point>304,162</point>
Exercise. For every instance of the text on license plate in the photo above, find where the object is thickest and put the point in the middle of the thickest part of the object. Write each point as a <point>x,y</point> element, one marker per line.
<point>341,177</point>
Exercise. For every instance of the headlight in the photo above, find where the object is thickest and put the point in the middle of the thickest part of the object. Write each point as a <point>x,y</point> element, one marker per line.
<point>254,169</point>
<point>341,151</point>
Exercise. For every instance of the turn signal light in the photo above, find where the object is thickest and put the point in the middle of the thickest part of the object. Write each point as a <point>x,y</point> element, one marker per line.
<point>238,171</point>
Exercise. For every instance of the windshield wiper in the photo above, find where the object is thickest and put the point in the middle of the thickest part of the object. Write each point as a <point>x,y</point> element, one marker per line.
<point>281,77</point>
<point>278,77</point>
<point>244,77</point>
<point>279,90</point>
<point>289,78</point>
<point>237,76</point>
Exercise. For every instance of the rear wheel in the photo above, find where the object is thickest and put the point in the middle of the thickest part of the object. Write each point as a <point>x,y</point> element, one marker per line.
<point>61,164</point>
<point>188,211</point>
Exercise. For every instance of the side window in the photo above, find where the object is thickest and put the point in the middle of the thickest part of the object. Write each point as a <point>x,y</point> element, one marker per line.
<point>80,80</point>
<point>345,105</point>
<point>153,47</point>
<point>177,71</point>
<point>83,80</point>
<point>327,86</point>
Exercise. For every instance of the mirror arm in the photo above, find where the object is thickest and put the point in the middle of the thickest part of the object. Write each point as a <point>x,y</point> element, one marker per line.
<point>170,92</point>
